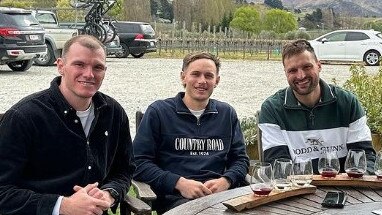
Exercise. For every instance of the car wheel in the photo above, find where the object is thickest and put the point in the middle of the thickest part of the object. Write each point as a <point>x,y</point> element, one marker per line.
<point>137,55</point>
<point>48,59</point>
<point>371,58</point>
<point>124,53</point>
<point>20,66</point>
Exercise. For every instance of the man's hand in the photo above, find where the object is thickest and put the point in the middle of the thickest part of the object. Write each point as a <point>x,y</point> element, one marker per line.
<point>191,189</point>
<point>81,203</point>
<point>217,185</point>
<point>95,192</point>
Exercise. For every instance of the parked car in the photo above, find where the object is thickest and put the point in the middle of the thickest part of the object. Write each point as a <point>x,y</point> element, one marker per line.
<point>349,45</point>
<point>21,38</point>
<point>137,38</point>
<point>55,36</point>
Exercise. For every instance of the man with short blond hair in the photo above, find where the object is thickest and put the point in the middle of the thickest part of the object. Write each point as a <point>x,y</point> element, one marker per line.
<point>67,149</point>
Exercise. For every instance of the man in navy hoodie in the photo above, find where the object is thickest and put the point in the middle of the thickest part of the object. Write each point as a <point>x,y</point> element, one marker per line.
<point>190,146</point>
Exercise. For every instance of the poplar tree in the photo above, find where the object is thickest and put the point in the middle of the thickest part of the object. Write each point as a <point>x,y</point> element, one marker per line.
<point>45,3</point>
<point>137,10</point>
<point>183,11</point>
<point>206,12</point>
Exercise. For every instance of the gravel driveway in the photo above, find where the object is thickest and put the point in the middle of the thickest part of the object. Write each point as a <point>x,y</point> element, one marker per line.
<point>136,83</point>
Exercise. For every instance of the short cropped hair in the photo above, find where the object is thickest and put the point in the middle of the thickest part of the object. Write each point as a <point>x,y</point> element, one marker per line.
<point>189,58</point>
<point>297,47</point>
<point>87,41</point>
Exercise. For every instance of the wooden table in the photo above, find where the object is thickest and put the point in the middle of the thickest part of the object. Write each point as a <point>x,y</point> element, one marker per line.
<point>360,201</point>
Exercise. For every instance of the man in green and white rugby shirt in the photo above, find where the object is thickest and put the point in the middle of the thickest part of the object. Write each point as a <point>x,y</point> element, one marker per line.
<point>310,116</point>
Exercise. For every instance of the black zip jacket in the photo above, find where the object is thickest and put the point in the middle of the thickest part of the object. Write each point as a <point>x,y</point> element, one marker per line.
<point>44,151</point>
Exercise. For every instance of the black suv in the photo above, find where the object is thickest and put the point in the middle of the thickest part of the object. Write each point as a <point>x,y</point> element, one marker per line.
<point>137,38</point>
<point>21,38</point>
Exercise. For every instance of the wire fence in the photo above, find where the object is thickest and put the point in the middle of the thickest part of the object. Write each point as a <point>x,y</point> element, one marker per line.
<point>267,49</point>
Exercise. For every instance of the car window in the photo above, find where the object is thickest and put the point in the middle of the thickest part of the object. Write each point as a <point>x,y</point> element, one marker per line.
<point>335,37</point>
<point>124,27</point>
<point>147,29</point>
<point>379,35</point>
<point>356,36</point>
<point>46,18</point>
<point>136,29</point>
<point>128,28</point>
<point>19,19</point>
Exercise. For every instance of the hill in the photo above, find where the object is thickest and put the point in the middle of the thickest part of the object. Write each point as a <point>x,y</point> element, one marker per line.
<point>361,8</point>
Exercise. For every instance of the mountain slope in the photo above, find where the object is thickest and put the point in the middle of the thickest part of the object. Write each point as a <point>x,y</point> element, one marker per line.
<point>344,7</point>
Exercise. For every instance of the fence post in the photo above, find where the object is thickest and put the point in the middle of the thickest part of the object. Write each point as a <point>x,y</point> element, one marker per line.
<point>160,43</point>
<point>217,47</point>
<point>214,41</point>
<point>172,50</point>
<point>244,44</point>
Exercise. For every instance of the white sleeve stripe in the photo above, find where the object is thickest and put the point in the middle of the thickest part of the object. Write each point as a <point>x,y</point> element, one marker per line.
<point>271,136</point>
<point>359,131</point>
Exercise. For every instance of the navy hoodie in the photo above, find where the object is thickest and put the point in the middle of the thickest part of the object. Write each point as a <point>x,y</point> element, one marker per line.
<point>171,142</point>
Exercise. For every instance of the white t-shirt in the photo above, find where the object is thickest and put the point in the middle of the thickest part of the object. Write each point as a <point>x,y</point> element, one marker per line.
<point>86,118</point>
<point>197,113</point>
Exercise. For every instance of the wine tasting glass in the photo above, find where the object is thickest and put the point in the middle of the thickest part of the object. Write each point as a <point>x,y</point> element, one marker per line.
<point>282,172</point>
<point>355,163</point>
<point>328,164</point>
<point>302,171</point>
<point>378,165</point>
<point>261,179</point>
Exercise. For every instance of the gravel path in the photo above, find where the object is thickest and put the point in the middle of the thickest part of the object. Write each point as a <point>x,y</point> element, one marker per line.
<point>136,83</point>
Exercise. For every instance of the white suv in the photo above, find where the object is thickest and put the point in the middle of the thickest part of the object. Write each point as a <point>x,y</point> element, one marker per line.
<point>349,45</point>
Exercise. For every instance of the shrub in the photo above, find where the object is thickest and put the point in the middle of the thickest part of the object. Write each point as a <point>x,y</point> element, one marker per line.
<point>299,34</point>
<point>249,129</point>
<point>368,89</point>
<point>267,35</point>
<point>302,35</point>
<point>291,35</point>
